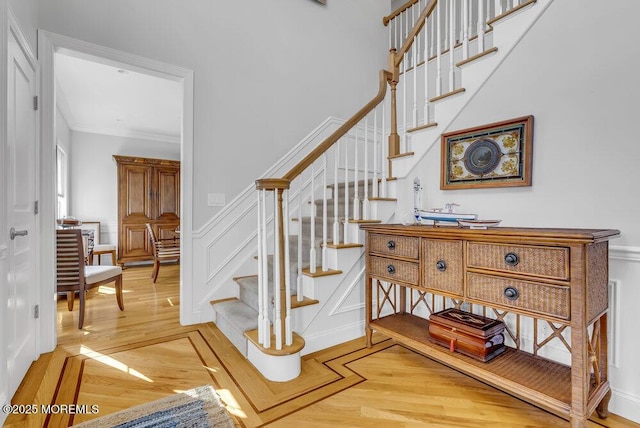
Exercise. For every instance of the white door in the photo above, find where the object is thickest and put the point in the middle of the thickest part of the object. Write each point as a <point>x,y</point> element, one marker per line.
<point>20,170</point>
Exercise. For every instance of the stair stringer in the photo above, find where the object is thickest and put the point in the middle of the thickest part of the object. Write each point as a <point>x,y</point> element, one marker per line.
<point>507,33</point>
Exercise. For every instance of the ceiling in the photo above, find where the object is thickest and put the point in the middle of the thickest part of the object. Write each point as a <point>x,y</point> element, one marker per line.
<point>104,99</point>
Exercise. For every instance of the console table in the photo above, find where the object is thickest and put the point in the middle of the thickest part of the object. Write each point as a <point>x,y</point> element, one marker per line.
<point>554,277</point>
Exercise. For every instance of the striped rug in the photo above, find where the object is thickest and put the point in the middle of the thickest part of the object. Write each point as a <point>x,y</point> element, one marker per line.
<point>196,408</point>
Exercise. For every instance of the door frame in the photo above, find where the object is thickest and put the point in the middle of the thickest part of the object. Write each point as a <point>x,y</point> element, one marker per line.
<point>48,45</point>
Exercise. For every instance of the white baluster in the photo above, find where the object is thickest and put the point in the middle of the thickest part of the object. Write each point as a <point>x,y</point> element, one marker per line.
<point>481,21</point>
<point>277,320</point>
<point>465,29</point>
<point>434,18</point>
<point>299,292</point>
<point>390,33</point>
<point>383,158</point>
<point>445,22</point>
<point>336,193</point>
<point>426,69</point>
<point>265,274</point>
<point>356,196</point>
<point>288,340</point>
<point>346,191</point>
<point>398,30</point>
<point>261,279</point>
<point>375,190</point>
<point>415,81</point>
<point>498,10</point>
<point>439,50</point>
<point>365,201</point>
<point>460,21</point>
<point>452,46</point>
<point>404,81</point>
<point>312,250</point>
<point>324,213</point>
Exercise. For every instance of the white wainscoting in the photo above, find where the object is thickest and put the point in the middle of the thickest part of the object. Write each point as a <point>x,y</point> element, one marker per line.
<point>624,340</point>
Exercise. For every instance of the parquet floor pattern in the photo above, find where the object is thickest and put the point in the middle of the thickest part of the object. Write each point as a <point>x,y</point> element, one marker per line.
<point>122,359</point>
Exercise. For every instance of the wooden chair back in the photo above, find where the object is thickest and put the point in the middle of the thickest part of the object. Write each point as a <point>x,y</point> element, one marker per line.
<point>73,276</point>
<point>163,250</point>
<point>70,260</point>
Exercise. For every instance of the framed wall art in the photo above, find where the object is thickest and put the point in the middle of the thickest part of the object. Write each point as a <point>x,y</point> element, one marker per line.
<point>494,155</point>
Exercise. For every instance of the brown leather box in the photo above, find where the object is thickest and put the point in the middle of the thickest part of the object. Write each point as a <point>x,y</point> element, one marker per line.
<point>469,334</point>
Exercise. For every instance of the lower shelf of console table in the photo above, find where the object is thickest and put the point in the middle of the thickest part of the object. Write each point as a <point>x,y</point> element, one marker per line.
<point>537,380</point>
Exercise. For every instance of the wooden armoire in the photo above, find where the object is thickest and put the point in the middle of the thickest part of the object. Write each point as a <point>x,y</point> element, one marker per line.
<point>148,192</point>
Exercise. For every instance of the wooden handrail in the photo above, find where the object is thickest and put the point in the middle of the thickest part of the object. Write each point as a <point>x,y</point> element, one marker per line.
<point>422,19</point>
<point>398,11</point>
<point>342,130</point>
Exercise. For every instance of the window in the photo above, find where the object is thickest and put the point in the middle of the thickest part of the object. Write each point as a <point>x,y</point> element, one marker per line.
<point>61,182</point>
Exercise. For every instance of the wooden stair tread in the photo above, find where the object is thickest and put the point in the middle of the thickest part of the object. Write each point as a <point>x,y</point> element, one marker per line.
<point>447,95</point>
<point>421,127</point>
<point>477,56</point>
<point>305,302</point>
<point>343,245</point>
<point>228,299</point>
<point>401,155</point>
<point>319,272</point>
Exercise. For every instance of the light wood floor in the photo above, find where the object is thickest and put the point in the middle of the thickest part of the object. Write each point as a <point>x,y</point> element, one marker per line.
<point>122,359</point>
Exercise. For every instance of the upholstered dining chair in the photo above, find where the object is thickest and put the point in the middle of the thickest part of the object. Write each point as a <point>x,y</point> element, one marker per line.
<point>99,248</point>
<point>73,275</point>
<point>163,250</point>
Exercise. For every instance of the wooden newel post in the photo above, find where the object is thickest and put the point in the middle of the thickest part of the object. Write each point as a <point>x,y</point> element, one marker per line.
<point>278,185</point>
<point>394,138</point>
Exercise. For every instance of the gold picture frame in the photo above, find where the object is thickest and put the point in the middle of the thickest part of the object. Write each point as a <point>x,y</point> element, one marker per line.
<point>494,155</point>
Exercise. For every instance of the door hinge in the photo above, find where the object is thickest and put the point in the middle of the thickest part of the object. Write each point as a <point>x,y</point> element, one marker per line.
<point>35,102</point>
<point>35,207</point>
<point>36,312</point>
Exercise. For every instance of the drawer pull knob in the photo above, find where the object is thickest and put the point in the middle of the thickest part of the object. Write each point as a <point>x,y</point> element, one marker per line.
<point>441,265</point>
<point>391,245</point>
<point>511,293</point>
<point>511,259</point>
<point>391,269</point>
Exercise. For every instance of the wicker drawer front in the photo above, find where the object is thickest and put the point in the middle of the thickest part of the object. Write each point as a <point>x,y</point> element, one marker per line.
<point>443,265</point>
<point>549,262</point>
<point>394,270</point>
<point>544,299</point>
<point>398,246</point>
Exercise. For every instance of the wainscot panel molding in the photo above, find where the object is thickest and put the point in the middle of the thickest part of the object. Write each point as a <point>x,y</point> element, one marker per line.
<point>624,253</point>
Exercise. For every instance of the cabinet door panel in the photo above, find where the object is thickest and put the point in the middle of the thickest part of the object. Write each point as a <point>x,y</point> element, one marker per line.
<point>134,191</point>
<point>135,242</point>
<point>168,194</point>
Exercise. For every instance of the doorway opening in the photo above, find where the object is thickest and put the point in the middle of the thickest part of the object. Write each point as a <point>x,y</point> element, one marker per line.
<point>98,102</point>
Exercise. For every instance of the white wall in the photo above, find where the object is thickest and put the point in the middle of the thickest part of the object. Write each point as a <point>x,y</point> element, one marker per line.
<point>94,185</point>
<point>26,12</point>
<point>63,139</point>
<point>266,73</point>
<point>577,73</point>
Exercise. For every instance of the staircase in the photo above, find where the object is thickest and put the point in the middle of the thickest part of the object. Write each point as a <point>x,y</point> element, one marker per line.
<point>308,248</point>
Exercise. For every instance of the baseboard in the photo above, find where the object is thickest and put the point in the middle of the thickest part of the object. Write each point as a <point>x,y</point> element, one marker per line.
<point>328,338</point>
<point>625,404</point>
